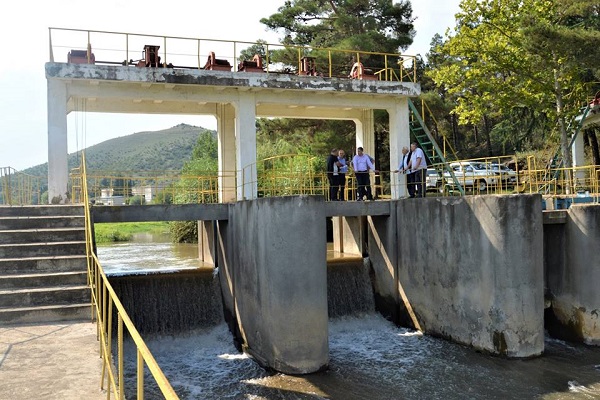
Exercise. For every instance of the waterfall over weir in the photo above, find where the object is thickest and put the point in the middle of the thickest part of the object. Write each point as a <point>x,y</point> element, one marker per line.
<point>349,290</point>
<point>171,303</point>
<point>183,301</point>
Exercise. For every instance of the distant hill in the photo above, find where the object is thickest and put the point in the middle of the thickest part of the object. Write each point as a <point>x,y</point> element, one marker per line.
<point>166,149</point>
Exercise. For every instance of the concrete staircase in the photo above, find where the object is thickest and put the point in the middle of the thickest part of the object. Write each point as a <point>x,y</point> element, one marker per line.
<point>42,264</point>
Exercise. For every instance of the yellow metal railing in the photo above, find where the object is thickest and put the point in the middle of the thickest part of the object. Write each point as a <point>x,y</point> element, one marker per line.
<point>120,48</point>
<point>298,174</point>
<point>104,303</point>
<point>18,188</point>
<point>574,181</point>
<point>158,187</point>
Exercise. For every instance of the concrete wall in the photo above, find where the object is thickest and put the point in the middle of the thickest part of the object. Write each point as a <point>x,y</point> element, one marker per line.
<point>275,281</point>
<point>468,269</point>
<point>573,275</point>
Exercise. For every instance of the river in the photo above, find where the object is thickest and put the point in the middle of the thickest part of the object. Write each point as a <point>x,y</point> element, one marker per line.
<point>370,358</point>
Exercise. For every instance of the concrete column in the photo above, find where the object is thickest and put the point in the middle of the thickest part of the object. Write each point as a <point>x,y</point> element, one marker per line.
<point>578,160</point>
<point>365,138</point>
<point>58,169</point>
<point>399,137</point>
<point>348,235</point>
<point>278,278</point>
<point>206,242</point>
<point>365,132</point>
<point>245,143</point>
<point>227,165</point>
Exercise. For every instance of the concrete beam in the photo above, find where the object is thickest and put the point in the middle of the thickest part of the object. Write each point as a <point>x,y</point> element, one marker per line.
<point>228,79</point>
<point>160,212</point>
<point>210,94</point>
<point>356,208</point>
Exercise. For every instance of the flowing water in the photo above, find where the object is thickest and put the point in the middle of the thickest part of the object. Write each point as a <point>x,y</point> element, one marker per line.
<point>370,358</point>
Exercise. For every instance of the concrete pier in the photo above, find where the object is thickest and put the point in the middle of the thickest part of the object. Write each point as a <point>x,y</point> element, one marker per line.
<point>573,275</point>
<point>468,269</point>
<point>274,281</point>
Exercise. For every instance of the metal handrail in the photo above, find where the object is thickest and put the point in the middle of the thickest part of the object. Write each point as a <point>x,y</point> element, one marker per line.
<point>104,300</point>
<point>402,70</point>
<point>19,188</point>
<point>424,107</point>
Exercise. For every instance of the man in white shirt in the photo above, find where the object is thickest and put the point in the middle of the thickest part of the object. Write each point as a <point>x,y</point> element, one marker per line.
<point>418,166</point>
<point>361,163</point>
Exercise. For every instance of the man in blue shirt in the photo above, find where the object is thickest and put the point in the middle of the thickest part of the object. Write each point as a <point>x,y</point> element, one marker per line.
<point>361,163</point>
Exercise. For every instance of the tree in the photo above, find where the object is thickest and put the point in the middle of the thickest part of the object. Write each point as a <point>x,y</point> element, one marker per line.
<point>197,184</point>
<point>356,25</point>
<point>368,25</point>
<point>507,55</point>
<point>376,25</point>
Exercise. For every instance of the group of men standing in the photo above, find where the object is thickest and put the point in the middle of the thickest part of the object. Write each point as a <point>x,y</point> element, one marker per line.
<point>414,165</point>
<point>337,168</point>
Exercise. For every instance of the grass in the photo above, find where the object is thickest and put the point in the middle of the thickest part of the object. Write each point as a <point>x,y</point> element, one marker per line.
<point>123,231</point>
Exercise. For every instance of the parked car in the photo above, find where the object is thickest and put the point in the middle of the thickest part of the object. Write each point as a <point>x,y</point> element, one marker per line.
<point>433,181</point>
<point>508,176</point>
<point>474,175</point>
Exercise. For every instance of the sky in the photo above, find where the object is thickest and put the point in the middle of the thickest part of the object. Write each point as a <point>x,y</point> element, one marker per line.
<point>25,50</point>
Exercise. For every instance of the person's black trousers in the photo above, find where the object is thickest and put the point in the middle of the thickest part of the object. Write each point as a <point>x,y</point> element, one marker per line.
<point>364,185</point>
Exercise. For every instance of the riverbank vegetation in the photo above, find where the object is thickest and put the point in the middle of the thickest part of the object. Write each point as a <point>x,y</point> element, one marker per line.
<point>124,231</point>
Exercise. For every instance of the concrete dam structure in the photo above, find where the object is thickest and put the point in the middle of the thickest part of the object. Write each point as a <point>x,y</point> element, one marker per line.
<point>483,271</point>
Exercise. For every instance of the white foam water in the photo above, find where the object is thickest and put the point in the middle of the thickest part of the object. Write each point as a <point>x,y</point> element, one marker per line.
<point>371,358</point>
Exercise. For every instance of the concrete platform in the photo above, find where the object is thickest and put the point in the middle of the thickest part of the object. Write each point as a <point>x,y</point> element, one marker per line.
<point>50,361</point>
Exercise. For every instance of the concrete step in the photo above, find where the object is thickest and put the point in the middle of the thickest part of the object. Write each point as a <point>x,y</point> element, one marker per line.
<point>32,265</point>
<point>44,296</point>
<point>67,221</point>
<point>26,315</point>
<point>43,249</point>
<point>42,280</point>
<point>31,236</point>
<point>36,211</point>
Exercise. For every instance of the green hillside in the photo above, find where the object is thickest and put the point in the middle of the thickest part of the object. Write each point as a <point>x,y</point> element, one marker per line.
<point>166,149</point>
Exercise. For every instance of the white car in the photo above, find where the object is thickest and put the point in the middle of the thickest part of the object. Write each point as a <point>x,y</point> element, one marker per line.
<point>475,175</point>
<point>433,180</point>
<point>507,175</point>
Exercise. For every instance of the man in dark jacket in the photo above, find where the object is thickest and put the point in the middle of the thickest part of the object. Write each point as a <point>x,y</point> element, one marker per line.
<point>333,174</point>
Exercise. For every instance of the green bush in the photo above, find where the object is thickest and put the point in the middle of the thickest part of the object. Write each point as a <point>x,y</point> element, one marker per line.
<point>184,231</point>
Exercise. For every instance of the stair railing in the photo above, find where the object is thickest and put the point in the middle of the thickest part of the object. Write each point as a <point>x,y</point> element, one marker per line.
<point>429,145</point>
<point>104,301</point>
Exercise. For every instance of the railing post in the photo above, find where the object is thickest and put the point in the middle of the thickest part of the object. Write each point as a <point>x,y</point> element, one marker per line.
<point>199,61</point>
<point>267,56</point>
<point>89,48</point>
<point>140,375</point>
<point>120,360</point>
<point>50,44</point>
<point>165,52</point>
